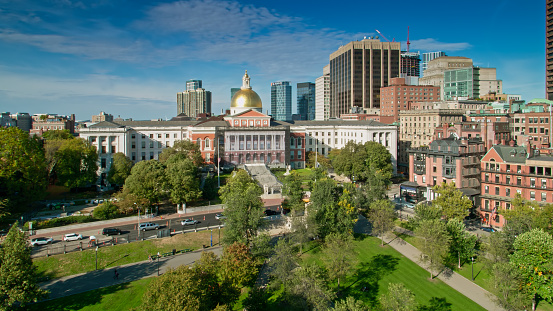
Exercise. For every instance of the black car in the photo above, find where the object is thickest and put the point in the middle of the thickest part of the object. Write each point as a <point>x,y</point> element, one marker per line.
<point>111,231</point>
<point>269,212</point>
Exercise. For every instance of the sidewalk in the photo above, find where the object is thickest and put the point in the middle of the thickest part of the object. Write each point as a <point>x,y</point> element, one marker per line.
<point>83,282</point>
<point>191,211</point>
<point>453,279</point>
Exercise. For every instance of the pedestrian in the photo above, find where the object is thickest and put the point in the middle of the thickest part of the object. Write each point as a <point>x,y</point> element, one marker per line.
<point>115,275</point>
<point>150,258</point>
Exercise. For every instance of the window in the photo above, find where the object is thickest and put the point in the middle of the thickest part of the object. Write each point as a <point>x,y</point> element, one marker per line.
<point>103,163</point>
<point>496,178</point>
<point>543,196</point>
<point>434,168</point>
<point>133,156</point>
<point>207,143</point>
<point>486,189</point>
<point>507,192</point>
<point>143,155</point>
<point>496,190</point>
<point>532,195</point>
<point>158,136</point>
<point>533,182</point>
<point>112,149</point>
<point>299,154</point>
<point>151,135</point>
<point>151,155</point>
<point>423,178</point>
<point>508,180</point>
<point>291,155</point>
<point>519,181</point>
<point>507,205</point>
<point>151,144</point>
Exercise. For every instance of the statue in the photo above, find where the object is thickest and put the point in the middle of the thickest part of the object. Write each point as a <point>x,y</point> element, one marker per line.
<point>246,81</point>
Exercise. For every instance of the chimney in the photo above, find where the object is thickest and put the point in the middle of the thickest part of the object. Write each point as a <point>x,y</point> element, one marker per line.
<point>529,151</point>
<point>512,143</point>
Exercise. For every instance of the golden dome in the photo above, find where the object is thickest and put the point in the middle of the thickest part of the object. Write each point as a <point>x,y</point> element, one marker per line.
<point>246,98</point>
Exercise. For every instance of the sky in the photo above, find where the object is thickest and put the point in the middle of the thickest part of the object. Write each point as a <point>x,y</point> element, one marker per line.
<point>129,58</point>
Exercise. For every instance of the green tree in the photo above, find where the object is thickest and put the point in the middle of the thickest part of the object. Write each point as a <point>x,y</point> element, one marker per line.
<point>351,161</point>
<point>424,212</point>
<point>283,261</point>
<point>120,169</point>
<point>238,265</point>
<point>292,190</point>
<point>308,290</point>
<point>106,210</point>
<point>463,244</point>
<point>57,135</point>
<point>533,257</point>
<point>147,181</point>
<point>76,163</point>
<point>261,246</point>
<point>378,161</point>
<point>186,148</point>
<point>382,216</point>
<point>505,283</point>
<point>209,191</point>
<point>22,168</point>
<point>451,201</point>
<point>183,181</point>
<point>526,215</point>
<point>497,249</point>
<point>339,255</point>
<point>350,304</point>
<point>435,304</point>
<point>332,208</point>
<point>18,283</point>
<point>322,160</point>
<point>398,298</point>
<point>243,208</point>
<point>433,242</point>
<point>302,230</point>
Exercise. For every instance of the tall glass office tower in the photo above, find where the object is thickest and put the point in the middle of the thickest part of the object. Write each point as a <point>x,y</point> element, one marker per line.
<point>306,100</point>
<point>281,101</point>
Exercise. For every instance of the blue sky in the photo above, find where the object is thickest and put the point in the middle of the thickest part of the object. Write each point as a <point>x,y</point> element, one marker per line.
<point>130,57</point>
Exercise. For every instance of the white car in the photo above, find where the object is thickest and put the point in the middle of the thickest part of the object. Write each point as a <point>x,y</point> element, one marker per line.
<point>220,216</point>
<point>41,241</point>
<point>188,221</point>
<point>72,237</point>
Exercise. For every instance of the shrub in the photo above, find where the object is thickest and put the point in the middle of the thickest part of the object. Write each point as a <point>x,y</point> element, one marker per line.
<point>106,210</point>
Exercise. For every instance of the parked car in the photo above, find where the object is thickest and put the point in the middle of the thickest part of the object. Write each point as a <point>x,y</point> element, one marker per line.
<point>269,212</point>
<point>41,241</point>
<point>487,229</point>
<point>72,237</point>
<point>220,216</point>
<point>188,221</point>
<point>111,231</point>
<point>148,226</point>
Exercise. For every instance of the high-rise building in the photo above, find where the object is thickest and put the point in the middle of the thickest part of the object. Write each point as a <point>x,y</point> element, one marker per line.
<point>426,57</point>
<point>470,83</point>
<point>410,67</point>
<point>306,100</point>
<point>322,95</point>
<point>434,74</point>
<point>195,100</point>
<point>281,101</point>
<point>549,50</point>
<point>193,85</point>
<point>357,72</point>
<point>233,91</point>
<point>102,117</point>
<point>23,120</point>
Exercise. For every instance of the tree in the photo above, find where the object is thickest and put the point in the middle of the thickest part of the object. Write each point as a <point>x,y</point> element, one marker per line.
<point>209,191</point>
<point>243,208</point>
<point>351,161</point>
<point>57,135</point>
<point>378,160</point>
<point>302,230</point>
<point>332,208</point>
<point>350,304</point>
<point>282,263</point>
<point>185,147</point>
<point>183,181</point>
<point>292,190</point>
<point>321,160</point>
<point>463,244</point>
<point>261,246</point>
<point>238,265</point>
<point>308,290</point>
<point>424,212</point>
<point>398,298</point>
<point>106,210</point>
<point>382,216</point>
<point>435,304</point>
<point>147,181</point>
<point>498,248</point>
<point>339,255</point>
<point>76,163</point>
<point>433,242</point>
<point>120,169</point>
<point>526,215</point>
<point>451,202</point>
<point>533,257</point>
<point>505,284</point>
<point>18,282</point>
<point>22,168</point>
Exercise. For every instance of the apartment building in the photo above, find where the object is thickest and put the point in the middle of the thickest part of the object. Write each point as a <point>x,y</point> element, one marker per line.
<point>399,95</point>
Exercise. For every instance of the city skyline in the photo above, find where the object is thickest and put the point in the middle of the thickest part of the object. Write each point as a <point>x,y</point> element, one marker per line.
<point>130,58</point>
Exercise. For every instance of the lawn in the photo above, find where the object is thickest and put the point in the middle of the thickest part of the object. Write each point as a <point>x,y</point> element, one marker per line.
<point>378,266</point>
<point>117,297</point>
<point>110,256</point>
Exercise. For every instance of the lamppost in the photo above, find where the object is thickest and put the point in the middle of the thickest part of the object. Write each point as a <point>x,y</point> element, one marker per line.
<point>96,257</point>
<point>138,227</point>
<point>211,238</point>
<point>158,265</point>
<point>472,266</point>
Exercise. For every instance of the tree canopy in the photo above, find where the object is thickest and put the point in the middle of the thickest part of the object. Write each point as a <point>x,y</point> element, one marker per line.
<point>292,189</point>
<point>120,169</point>
<point>433,242</point>
<point>183,179</point>
<point>147,181</point>
<point>76,163</point>
<point>339,255</point>
<point>186,148</point>
<point>451,202</point>
<point>382,216</point>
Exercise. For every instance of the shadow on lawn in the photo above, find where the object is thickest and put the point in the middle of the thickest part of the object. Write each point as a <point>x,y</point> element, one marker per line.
<point>366,286</point>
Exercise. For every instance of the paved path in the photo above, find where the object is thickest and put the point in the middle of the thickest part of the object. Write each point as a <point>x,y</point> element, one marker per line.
<point>453,279</point>
<point>83,282</point>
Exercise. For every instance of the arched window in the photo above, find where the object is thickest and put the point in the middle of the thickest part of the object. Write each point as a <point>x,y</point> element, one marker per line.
<point>207,143</point>
<point>199,143</point>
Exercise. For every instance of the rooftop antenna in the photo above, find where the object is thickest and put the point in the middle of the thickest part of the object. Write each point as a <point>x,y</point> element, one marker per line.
<point>408,42</point>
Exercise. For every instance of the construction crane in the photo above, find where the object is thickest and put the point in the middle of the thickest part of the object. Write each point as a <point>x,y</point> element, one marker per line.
<point>408,42</point>
<point>393,40</point>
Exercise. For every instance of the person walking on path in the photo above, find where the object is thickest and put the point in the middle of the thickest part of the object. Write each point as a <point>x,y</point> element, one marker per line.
<point>115,275</point>
<point>150,258</point>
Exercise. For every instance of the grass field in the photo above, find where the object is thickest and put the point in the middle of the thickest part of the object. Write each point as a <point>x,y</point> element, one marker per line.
<point>380,266</point>
<point>111,256</point>
<point>120,297</point>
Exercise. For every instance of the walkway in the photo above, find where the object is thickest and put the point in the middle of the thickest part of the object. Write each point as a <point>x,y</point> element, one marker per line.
<point>83,282</point>
<point>453,279</point>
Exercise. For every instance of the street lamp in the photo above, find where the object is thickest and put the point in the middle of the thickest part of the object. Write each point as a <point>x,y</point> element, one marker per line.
<point>472,266</point>
<point>158,264</point>
<point>96,257</point>
<point>211,237</point>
